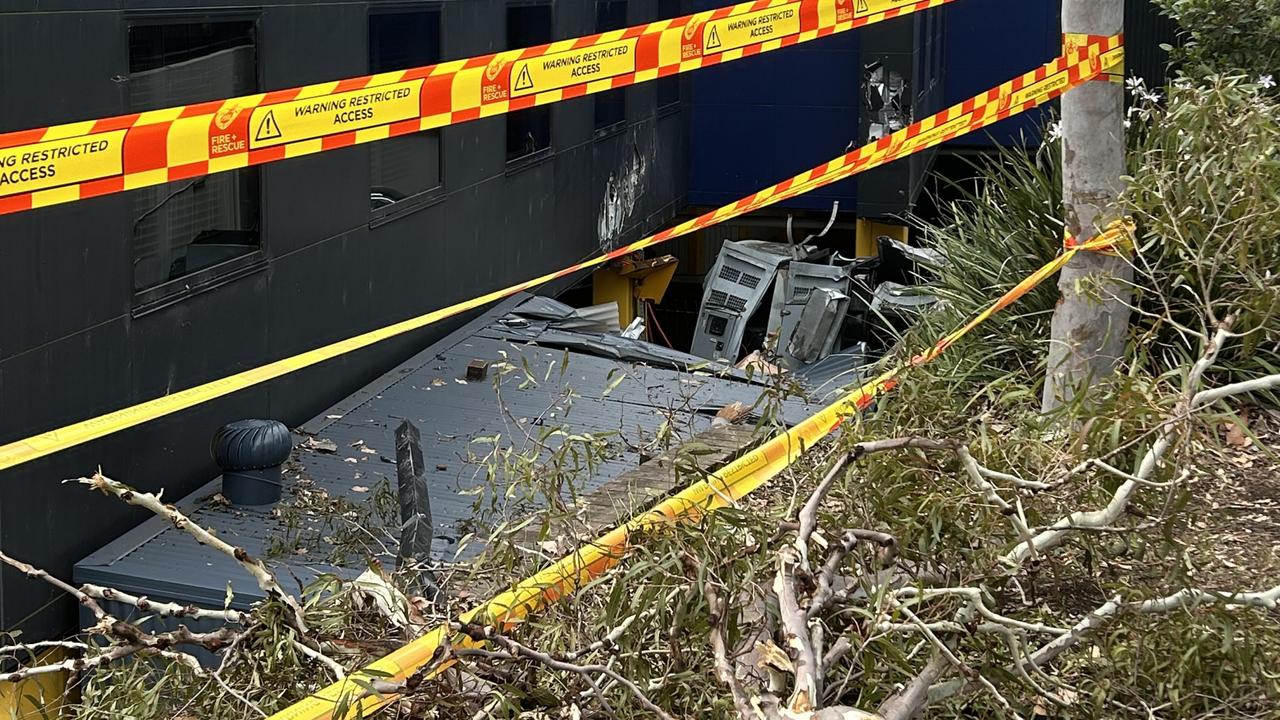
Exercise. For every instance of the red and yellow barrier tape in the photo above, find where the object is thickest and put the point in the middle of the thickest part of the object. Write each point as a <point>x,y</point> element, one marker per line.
<point>751,471</point>
<point>1046,82</point>
<point>65,163</point>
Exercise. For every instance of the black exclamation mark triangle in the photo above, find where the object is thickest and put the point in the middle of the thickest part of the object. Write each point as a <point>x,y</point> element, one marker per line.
<point>268,129</point>
<point>524,81</point>
<point>862,6</point>
<point>713,38</point>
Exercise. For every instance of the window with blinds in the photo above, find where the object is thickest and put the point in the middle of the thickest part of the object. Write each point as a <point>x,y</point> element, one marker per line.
<point>408,166</point>
<point>192,226</point>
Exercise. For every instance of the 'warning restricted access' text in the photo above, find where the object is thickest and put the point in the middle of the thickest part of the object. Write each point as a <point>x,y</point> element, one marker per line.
<point>289,122</point>
<point>27,168</point>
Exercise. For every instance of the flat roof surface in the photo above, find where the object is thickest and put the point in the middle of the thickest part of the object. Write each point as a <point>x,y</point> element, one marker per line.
<point>348,452</point>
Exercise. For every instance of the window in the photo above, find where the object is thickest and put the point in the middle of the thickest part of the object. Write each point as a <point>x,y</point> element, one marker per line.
<point>190,226</point>
<point>528,130</point>
<point>611,105</point>
<point>409,165</point>
<point>669,86</point>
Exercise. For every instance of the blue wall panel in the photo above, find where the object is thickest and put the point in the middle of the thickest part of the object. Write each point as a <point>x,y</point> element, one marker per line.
<point>991,41</point>
<point>759,120</point>
<point>762,119</point>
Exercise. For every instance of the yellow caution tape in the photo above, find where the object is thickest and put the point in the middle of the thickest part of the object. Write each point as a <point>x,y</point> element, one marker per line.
<point>978,112</point>
<point>723,487</point>
<point>65,163</point>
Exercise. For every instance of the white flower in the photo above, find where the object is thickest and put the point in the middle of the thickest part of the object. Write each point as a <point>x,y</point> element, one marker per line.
<point>1266,81</point>
<point>1133,83</point>
<point>1054,132</point>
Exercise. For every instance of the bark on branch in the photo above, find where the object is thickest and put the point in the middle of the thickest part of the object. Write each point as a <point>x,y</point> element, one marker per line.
<point>253,566</point>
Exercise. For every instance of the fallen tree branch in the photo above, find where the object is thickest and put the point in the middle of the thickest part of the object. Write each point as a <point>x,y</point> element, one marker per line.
<point>131,640</point>
<point>36,573</point>
<point>72,665</point>
<point>946,652</point>
<point>825,593</point>
<point>795,632</point>
<point>339,673</point>
<point>253,566</point>
<point>975,597</point>
<point>163,609</point>
<point>807,517</point>
<point>911,699</point>
<point>720,653</point>
<point>44,645</point>
<point>1205,398</point>
<point>1105,613</point>
<point>513,650</point>
<point>1193,399</point>
<point>992,494</point>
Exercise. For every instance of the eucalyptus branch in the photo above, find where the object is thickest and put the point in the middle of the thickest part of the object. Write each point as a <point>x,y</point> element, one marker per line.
<point>1108,611</point>
<point>513,650</point>
<point>130,640</point>
<point>339,673</point>
<point>33,646</point>
<point>975,597</point>
<point>266,581</point>
<point>795,629</point>
<point>992,494</point>
<point>1204,398</point>
<point>825,593</point>
<point>907,702</point>
<point>946,652</point>
<point>808,515</point>
<point>720,652</point>
<point>36,573</point>
<point>162,609</point>
<point>72,665</point>
<point>1193,398</point>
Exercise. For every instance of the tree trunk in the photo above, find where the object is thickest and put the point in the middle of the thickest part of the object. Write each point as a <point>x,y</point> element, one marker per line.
<point>1090,324</point>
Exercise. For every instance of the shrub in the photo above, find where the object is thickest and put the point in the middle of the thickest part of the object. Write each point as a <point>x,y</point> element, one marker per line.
<point>1205,189</point>
<point>1237,36</point>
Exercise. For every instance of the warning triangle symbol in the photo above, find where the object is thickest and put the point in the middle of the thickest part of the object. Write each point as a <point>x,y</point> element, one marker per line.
<point>713,39</point>
<point>862,6</point>
<point>268,129</point>
<point>524,81</point>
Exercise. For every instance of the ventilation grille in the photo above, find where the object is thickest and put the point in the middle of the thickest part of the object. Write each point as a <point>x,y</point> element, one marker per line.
<point>720,298</point>
<point>734,275</point>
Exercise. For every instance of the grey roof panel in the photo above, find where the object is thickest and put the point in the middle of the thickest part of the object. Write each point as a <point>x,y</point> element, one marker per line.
<point>161,562</point>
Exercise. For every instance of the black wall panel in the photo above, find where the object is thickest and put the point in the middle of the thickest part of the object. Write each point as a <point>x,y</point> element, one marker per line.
<point>74,342</point>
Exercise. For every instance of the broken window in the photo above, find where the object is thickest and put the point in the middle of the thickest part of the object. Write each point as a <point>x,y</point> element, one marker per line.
<point>886,99</point>
<point>196,227</point>
<point>528,130</point>
<point>407,166</point>
<point>611,105</point>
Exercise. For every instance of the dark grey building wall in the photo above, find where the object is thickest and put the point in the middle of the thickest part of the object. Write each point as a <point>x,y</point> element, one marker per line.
<point>73,345</point>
